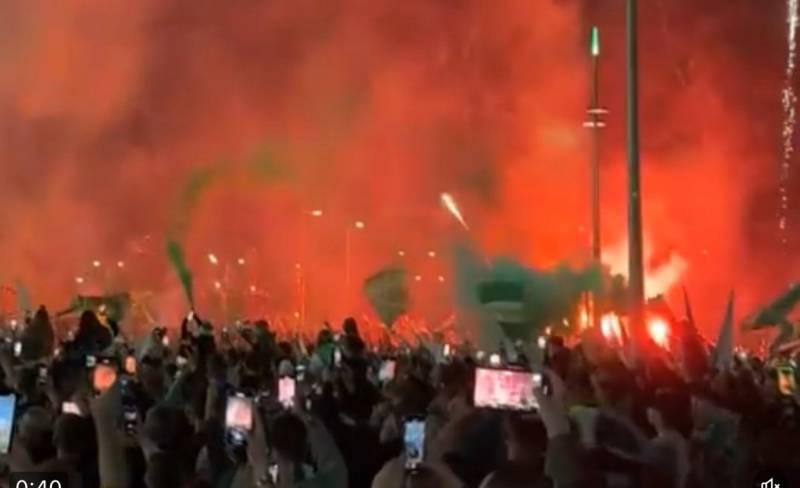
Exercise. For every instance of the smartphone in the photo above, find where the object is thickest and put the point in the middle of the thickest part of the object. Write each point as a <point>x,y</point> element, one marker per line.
<point>165,340</point>
<point>287,388</point>
<point>300,372</point>
<point>505,389</point>
<point>17,349</point>
<point>414,441</point>
<point>130,410</point>
<point>71,408</point>
<point>129,364</point>
<point>446,351</point>
<point>273,473</point>
<point>786,380</point>
<point>238,419</point>
<point>387,370</point>
<point>103,376</point>
<point>91,361</point>
<point>494,360</point>
<point>8,405</point>
<point>181,361</point>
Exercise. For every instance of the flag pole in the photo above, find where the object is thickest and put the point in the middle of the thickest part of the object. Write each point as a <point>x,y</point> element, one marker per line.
<point>635,265</point>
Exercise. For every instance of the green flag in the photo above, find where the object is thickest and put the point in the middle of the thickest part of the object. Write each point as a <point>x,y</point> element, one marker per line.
<point>776,312</point>
<point>176,258</point>
<point>387,292</point>
<point>723,352</point>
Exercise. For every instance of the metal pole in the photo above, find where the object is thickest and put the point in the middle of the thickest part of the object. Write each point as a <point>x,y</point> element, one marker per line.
<point>635,267</point>
<point>596,124</point>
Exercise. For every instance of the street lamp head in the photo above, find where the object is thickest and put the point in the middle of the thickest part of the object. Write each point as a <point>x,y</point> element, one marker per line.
<point>241,261</point>
<point>96,263</point>
<point>359,224</point>
<point>120,264</point>
<point>316,213</point>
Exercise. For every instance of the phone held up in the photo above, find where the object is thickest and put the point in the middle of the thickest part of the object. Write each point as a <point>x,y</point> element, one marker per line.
<point>238,419</point>
<point>8,404</point>
<point>507,389</point>
<point>287,390</point>
<point>414,441</point>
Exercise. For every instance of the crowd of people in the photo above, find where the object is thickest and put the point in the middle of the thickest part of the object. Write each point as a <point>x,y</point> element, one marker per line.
<point>215,406</point>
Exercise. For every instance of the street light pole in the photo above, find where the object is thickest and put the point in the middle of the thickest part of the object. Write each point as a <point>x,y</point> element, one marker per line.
<point>635,264</point>
<point>595,123</point>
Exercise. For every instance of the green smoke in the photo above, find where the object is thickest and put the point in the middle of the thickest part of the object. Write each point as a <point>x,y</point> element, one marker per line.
<point>178,261</point>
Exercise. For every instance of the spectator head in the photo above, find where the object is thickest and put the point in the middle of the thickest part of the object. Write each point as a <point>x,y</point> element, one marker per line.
<point>150,371</point>
<point>350,327</point>
<point>289,437</point>
<point>167,427</point>
<point>408,397</point>
<point>613,385</point>
<point>526,438</point>
<point>74,437</point>
<point>324,337</point>
<point>706,406</point>
<point>353,346</point>
<point>457,381</point>
<point>35,433</point>
<point>670,409</point>
<point>164,471</point>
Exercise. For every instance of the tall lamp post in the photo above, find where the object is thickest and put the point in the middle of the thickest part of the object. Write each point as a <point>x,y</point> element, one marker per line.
<point>635,266</point>
<point>594,122</point>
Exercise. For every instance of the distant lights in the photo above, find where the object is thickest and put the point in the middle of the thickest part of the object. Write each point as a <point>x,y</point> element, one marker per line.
<point>212,258</point>
<point>241,261</point>
<point>79,280</point>
<point>431,254</point>
<point>120,264</point>
<point>359,224</point>
<point>96,263</point>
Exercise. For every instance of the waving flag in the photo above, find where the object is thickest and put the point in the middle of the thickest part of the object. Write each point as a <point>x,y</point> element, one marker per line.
<point>723,352</point>
<point>387,292</point>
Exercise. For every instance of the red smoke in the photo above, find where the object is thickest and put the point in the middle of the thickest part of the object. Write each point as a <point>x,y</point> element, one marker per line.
<point>377,107</point>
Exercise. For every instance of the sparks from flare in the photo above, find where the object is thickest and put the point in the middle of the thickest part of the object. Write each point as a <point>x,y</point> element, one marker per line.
<point>789,103</point>
<point>449,204</point>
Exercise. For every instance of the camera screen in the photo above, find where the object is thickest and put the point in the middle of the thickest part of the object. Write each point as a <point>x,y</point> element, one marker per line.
<point>505,389</point>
